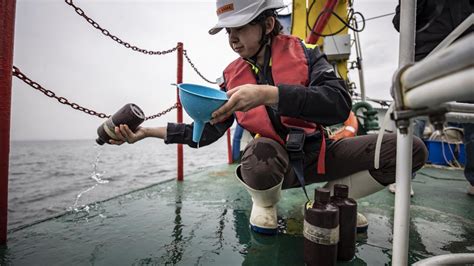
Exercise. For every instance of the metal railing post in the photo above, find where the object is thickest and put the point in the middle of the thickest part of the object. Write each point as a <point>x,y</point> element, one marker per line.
<point>7,29</point>
<point>401,223</point>
<point>179,79</point>
<point>229,147</point>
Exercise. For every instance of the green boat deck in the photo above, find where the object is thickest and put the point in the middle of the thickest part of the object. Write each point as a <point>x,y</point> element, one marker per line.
<point>204,221</point>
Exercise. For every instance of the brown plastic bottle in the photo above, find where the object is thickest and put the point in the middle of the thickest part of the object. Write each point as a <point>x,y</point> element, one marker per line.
<point>130,114</point>
<point>321,230</point>
<point>347,222</point>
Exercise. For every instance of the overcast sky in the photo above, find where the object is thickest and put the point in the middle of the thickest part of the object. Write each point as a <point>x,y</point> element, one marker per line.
<point>61,51</point>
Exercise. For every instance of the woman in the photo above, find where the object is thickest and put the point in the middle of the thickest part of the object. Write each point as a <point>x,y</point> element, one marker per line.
<point>284,94</point>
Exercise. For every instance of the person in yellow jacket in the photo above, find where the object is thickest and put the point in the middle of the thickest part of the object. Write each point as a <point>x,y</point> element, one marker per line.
<point>286,93</point>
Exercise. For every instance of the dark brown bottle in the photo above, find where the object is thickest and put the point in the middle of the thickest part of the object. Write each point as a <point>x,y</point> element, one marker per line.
<point>347,222</point>
<point>130,114</point>
<point>321,230</point>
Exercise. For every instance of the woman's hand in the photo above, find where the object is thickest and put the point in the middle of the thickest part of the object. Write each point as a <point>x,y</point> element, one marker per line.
<point>244,98</point>
<point>124,134</point>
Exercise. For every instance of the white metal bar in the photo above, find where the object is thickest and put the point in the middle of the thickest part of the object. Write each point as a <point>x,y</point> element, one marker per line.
<point>448,259</point>
<point>460,107</point>
<point>404,142</point>
<point>458,86</point>
<point>359,62</point>
<point>401,223</point>
<point>458,56</point>
<point>407,32</point>
<point>459,117</point>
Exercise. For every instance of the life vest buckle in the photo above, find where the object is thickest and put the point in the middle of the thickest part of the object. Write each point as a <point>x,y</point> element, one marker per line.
<point>294,146</point>
<point>295,141</point>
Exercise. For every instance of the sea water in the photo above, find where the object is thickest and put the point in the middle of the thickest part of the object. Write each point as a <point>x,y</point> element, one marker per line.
<point>50,177</point>
<point>95,175</point>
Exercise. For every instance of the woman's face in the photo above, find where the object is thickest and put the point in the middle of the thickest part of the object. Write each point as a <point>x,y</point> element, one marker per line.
<point>245,40</point>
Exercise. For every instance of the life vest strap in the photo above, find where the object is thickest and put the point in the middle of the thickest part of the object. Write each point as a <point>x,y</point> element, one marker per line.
<point>322,153</point>
<point>294,146</point>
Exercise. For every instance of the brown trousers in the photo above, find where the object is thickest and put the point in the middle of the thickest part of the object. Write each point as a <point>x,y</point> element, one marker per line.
<point>265,162</point>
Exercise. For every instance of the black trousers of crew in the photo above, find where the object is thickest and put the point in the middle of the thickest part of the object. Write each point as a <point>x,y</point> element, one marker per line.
<point>265,162</point>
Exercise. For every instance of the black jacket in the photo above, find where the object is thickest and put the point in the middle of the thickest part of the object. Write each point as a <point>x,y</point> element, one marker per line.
<point>435,19</point>
<point>325,101</point>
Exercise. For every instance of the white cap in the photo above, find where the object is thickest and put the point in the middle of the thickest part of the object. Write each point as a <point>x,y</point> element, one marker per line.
<point>237,13</point>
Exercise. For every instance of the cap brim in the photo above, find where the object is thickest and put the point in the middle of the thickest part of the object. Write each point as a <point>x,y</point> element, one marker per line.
<point>215,30</point>
<point>232,22</point>
<point>238,20</point>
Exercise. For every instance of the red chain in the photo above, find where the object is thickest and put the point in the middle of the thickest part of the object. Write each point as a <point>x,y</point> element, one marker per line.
<point>185,53</point>
<point>17,73</point>
<point>107,33</point>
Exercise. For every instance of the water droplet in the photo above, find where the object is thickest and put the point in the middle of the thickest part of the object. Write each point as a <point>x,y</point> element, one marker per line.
<point>96,175</point>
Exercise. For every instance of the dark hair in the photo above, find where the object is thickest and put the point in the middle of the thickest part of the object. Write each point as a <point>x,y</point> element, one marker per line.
<point>260,19</point>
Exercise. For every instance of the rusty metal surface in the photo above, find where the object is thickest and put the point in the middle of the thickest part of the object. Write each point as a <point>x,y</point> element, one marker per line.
<point>7,29</point>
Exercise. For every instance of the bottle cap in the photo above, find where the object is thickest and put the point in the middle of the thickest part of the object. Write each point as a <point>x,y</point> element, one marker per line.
<point>100,141</point>
<point>341,190</point>
<point>322,195</point>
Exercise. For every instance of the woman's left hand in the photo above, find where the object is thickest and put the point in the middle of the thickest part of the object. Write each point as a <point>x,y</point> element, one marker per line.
<point>244,98</point>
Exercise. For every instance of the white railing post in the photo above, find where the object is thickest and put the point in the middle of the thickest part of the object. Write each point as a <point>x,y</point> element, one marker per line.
<point>401,224</point>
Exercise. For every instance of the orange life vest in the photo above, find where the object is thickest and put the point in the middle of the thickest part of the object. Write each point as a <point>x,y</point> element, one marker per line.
<point>349,129</point>
<point>289,66</point>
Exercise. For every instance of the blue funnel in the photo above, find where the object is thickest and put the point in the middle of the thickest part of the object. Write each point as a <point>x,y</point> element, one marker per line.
<point>199,102</point>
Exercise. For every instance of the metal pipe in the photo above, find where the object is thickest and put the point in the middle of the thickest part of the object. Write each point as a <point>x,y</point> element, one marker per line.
<point>229,148</point>
<point>321,23</point>
<point>458,56</point>
<point>454,87</point>
<point>459,117</point>
<point>359,64</point>
<point>179,79</point>
<point>451,259</point>
<point>401,223</point>
<point>459,107</point>
<point>7,29</point>
<point>406,54</point>
<point>404,142</point>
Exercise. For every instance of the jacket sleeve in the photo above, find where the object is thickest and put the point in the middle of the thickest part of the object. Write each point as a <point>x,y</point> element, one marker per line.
<point>420,6</point>
<point>325,101</point>
<point>396,18</point>
<point>183,133</point>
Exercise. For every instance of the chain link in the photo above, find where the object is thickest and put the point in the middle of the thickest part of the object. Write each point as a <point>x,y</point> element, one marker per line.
<point>176,105</point>
<point>107,33</point>
<point>17,73</point>
<point>185,53</point>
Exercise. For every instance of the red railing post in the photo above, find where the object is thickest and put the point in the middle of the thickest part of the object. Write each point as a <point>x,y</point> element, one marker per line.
<point>229,148</point>
<point>179,79</point>
<point>7,29</point>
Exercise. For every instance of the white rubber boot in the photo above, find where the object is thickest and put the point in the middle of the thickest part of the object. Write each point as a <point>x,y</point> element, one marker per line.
<point>360,184</point>
<point>263,217</point>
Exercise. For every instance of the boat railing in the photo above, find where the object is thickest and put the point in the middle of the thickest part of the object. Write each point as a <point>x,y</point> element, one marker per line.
<point>7,26</point>
<point>430,88</point>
